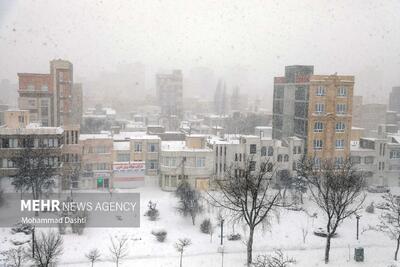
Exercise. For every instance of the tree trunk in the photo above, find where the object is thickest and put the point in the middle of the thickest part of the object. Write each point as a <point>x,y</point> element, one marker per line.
<point>327,248</point>
<point>250,247</point>
<point>397,248</point>
<point>180,262</point>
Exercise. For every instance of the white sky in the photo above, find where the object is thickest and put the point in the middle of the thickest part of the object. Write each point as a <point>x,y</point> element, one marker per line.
<point>359,37</point>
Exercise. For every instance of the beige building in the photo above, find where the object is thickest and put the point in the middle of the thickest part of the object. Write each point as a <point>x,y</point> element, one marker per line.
<point>330,117</point>
<point>14,118</point>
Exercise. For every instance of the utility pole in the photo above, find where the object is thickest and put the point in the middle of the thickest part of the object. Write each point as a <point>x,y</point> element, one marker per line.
<point>358,224</point>
<point>33,242</point>
<point>222,232</point>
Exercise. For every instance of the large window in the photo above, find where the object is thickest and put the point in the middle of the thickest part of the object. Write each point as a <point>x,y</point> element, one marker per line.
<point>253,149</point>
<point>395,154</point>
<point>339,144</point>
<point>138,147</point>
<point>152,148</point>
<point>319,108</point>
<point>341,108</point>
<point>200,162</point>
<point>340,127</point>
<point>342,91</point>
<point>320,90</point>
<point>318,144</point>
<point>318,127</point>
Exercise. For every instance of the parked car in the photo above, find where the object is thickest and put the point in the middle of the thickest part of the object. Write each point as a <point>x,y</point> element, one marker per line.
<point>378,189</point>
<point>322,232</point>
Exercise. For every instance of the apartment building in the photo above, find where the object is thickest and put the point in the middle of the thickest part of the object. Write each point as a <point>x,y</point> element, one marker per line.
<point>50,97</point>
<point>315,108</point>
<point>191,160</point>
<point>97,161</point>
<point>233,151</point>
<point>14,118</point>
<point>14,141</point>
<point>378,159</point>
<point>330,117</point>
<point>170,98</point>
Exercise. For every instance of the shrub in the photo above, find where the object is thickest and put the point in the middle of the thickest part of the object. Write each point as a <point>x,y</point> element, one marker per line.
<point>370,208</point>
<point>152,212</point>
<point>22,228</point>
<point>206,226</point>
<point>160,235</point>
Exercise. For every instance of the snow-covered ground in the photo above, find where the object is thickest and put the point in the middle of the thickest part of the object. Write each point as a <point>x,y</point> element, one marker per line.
<point>284,233</point>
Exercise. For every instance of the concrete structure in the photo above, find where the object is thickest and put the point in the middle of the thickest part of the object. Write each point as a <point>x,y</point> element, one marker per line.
<point>379,160</point>
<point>329,117</point>
<point>190,159</point>
<point>14,118</point>
<point>170,95</point>
<point>50,97</point>
<point>371,116</point>
<point>14,141</point>
<point>315,108</point>
<point>233,151</point>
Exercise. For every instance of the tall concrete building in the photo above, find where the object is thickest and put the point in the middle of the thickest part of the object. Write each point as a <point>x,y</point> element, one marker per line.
<point>49,97</point>
<point>315,108</point>
<point>394,99</point>
<point>170,95</point>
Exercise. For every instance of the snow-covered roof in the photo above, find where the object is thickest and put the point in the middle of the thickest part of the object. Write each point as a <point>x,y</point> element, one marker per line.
<point>94,136</point>
<point>180,146</point>
<point>31,129</point>
<point>134,135</point>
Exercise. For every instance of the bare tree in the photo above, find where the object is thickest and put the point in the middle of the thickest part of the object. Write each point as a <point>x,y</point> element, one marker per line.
<point>118,249</point>
<point>189,200</point>
<point>247,193</point>
<point>93,256</point>
<point>181,246</point>
<point>275,260</point>
<point>390,220</point>
<point>36,168</point>
<point>337,189</point>
<point>15,257</point>
<point>46,248</point>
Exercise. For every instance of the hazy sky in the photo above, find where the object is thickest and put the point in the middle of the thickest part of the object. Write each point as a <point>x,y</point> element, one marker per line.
<point>360,37</point>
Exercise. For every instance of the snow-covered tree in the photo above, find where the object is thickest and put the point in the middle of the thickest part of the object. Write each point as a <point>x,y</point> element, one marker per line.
<point>189,200</point>
<point>93,256</point>
<point>46,248</point>
<point>118,249</point>
<point>390,220</point>
<point>180,246</point>
<point>337,189</point>
<point>246,191</point>
<point>15,257</point>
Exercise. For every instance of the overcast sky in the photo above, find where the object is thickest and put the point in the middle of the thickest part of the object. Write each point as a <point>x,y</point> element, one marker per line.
<point>360,37</point>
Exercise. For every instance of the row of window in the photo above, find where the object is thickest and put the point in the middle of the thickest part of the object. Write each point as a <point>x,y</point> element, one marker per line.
<point>28,142</point>
<point>172,180</point>
<point>321,91</point>
<point>358,159</point>
<point>9,163</point>
<point>318,144</point>
<point>152,147</point>
<point>340,127</point>
<point>43,88</point>
<point>338,161</point>
<point>197,162</point>
<point>340,108</point>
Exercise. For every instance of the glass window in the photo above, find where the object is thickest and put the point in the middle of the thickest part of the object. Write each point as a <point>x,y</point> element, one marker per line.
<point>319,108</point>
<point>320,90</point>
<point>317,144</point>
<point>340,127</point>
<point>318,127</point>
<point>341,108</point>
<point>253,149</point>
<point>138,147</point>
<point>342,91</point>
<point>339,144</point>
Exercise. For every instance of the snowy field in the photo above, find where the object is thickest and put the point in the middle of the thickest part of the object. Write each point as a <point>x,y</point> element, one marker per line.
<point>284,233</point>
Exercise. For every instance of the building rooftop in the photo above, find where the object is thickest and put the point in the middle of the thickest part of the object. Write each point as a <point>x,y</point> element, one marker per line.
<point>122,145</point>
<point>135,135</point>
<point>180,146</point>
<point>94,136</point>
<point>32,129</point>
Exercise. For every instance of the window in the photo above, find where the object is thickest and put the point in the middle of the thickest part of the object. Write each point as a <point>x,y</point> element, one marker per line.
<point>369,160</point>
<point>200,162</point>
<point>320,90</point>
<point>30,87</point>
<point>253,149</point>
<point>152,147</point>
<point>286,158</point>
<point>270,151</point>
<point>13,142</point>
<point>263,151</point>
<point>32,103</point>
<point>340,127</point>
<point>152,165</point>
<point>342,91</point>
<point>100,149</point>
<point>338,161</point>
<point>317,144</point>
<point>166,180</point>
<point>123,157</point>
<point>319,108</point>
<point>173,181</point>
<point>279,158</point>
<point>318,127</point>
<point>395,154</point>
<point>339,144</point>
<point>341,108</point>
<point>317,162</point>
<point>138,147</point>
<point>44,88</point>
